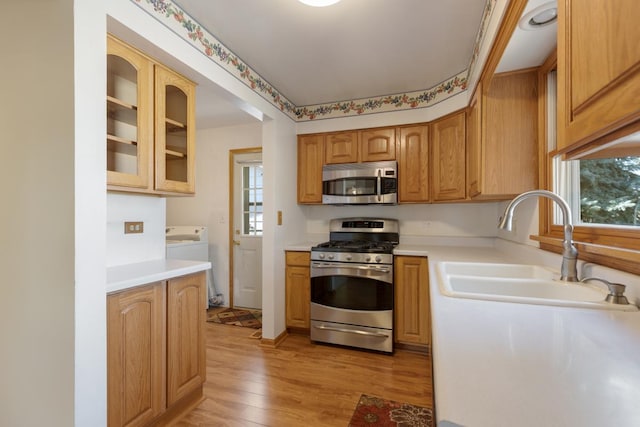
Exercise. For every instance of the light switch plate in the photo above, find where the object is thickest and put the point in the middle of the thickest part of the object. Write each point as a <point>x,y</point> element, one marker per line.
<point>133,227</point>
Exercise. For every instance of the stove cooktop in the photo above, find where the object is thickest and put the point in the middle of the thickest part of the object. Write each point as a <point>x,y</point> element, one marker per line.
<point>357,246</point>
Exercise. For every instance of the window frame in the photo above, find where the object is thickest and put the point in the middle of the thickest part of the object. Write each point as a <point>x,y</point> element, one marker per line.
<point>612,246</point>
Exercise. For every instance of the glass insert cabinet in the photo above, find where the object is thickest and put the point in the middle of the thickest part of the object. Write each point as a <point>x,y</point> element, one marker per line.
<point>150,124</point>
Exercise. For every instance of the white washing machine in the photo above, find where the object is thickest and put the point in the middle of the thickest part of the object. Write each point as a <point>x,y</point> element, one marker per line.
<point>192,243</point>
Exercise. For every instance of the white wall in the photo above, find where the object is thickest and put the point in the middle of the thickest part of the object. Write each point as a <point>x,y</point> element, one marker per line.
<point>419,220</point>
<point>89,72</point>
<point>52,324</point>
<point>210,205</point>
<point>131,248</point>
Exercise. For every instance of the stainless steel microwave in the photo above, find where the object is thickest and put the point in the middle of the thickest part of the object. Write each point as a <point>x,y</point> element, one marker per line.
<point>360,183</point>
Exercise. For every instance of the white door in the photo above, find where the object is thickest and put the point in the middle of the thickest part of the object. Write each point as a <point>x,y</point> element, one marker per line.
<point>247,230</point>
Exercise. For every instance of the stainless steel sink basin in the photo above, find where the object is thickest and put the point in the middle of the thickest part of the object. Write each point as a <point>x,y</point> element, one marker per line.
<point>519,283</point>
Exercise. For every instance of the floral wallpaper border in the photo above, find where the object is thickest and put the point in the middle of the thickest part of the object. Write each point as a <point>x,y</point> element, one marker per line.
<point>173,17</point>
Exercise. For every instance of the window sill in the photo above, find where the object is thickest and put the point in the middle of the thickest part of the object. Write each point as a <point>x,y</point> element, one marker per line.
<point>620,259</point>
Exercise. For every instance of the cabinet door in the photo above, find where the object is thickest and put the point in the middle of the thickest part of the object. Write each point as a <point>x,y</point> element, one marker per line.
<point>129,116</point>
<point>186,317</point>
<point>310,160</point>
<point>412,308</point>
<point>174,132</point>
<point>598,68</point>
<point>413,165</point>
<point>474,138</point>
<point>297,289</point>
<point>448,159</point>
<point>377,145</point>
<point>136,355</point>
<point>341,147</point>
<point>510,143</point>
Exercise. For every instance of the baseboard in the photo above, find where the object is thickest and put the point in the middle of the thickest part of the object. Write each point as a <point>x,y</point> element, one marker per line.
<point>266,342</point>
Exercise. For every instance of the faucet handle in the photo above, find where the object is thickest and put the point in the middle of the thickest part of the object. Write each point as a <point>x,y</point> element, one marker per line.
<point>616,290</point>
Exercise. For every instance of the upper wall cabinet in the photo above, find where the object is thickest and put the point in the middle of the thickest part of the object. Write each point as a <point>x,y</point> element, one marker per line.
<point>413,164</point>
<point>143,157</point>
<point>598,70</point>
<point>129,116</point>
<point>502,150</point>
<point>341,147</point>
<point>448,142</point>
<point>377,145</point>
<point>368,145</point>
<point>310,161</point>
<point>175,136</point>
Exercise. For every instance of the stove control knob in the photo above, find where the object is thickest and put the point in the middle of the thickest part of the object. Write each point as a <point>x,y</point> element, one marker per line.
<point>321,256</point>
<point>348,257</point>
<point>330,256</point>
<point>367,259</point>
<point>378,258</point>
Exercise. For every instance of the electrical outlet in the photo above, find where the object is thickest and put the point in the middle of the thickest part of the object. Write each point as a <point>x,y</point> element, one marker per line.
<point>133,227</point>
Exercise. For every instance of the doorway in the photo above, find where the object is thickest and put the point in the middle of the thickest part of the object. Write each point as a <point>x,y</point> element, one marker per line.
<point>245,227</point>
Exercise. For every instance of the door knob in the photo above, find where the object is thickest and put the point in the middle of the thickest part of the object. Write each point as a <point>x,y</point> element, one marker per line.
<point>237,243</point>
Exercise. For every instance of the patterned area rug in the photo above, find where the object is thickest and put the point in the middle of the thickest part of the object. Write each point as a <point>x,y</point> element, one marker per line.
<point>374,411</point>
<point>238,317</point>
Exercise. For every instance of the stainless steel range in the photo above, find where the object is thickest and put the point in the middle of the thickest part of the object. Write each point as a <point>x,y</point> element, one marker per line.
<point>352,284</point>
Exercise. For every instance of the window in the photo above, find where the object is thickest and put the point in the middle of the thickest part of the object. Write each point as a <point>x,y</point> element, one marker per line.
<point>603,191</point>
<point>600,191</point>
<point>252,200</point>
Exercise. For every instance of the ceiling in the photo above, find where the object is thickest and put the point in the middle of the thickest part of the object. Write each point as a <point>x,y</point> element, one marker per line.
<point>352,50</point>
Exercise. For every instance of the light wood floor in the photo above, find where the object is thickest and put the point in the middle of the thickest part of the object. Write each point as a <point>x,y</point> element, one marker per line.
<point>299,383</point>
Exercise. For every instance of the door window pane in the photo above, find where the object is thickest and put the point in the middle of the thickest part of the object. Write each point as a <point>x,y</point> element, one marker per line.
<point>252,200</point>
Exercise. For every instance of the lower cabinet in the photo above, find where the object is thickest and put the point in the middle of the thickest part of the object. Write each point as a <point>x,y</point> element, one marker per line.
<point>297,289</point>
<point>412,307</point>
<point>155,350</point>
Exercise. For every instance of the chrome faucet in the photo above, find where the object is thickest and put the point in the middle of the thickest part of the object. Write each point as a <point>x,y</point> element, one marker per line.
<point>568,270</point>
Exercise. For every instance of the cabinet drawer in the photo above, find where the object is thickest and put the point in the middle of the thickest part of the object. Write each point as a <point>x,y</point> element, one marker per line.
<point>298,258</point>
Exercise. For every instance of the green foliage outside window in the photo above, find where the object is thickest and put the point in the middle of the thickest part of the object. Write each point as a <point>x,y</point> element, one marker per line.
<point>610,191</point>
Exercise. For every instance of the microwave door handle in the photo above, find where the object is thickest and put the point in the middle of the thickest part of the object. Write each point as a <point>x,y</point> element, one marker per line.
<point>379,185</point>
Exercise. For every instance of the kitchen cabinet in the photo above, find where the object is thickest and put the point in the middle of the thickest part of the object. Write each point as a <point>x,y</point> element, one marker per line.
<point>502,141</point>
<point>175,132</point>
<point>150,124</point>
<point>129,116</point>
<point>341,147</point>
<point>474,135</point>
<point>448,163</point>
<point>155,350</point>
<point>412,307</point>
<point>413,164</point>
<point>377,145</point>
<point>367,145</point>
<point>297,289</point>
<point>186,320</point>
<point>136,354</point>
<point>598,70</point>
<point>310,161</point>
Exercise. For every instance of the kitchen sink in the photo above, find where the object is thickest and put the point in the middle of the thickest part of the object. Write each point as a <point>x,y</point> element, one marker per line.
<point>520,283</point>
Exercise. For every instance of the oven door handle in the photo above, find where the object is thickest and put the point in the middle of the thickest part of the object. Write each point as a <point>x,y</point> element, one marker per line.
<point>374,268</point>
<point>352,331</point>
<point>379,185</point>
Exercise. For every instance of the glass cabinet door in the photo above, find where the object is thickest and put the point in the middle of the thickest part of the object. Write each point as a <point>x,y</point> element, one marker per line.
<point>129,116</point>
<point>175,132</point>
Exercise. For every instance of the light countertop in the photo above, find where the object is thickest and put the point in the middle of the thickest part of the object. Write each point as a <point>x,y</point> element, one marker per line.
<point>508,364</point>
<point>130,275</point>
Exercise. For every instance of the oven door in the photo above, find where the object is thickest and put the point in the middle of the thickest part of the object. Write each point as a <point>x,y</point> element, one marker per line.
<point>357,294</point>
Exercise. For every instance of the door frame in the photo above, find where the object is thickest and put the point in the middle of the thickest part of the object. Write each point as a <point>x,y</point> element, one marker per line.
<point>232,154</point>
